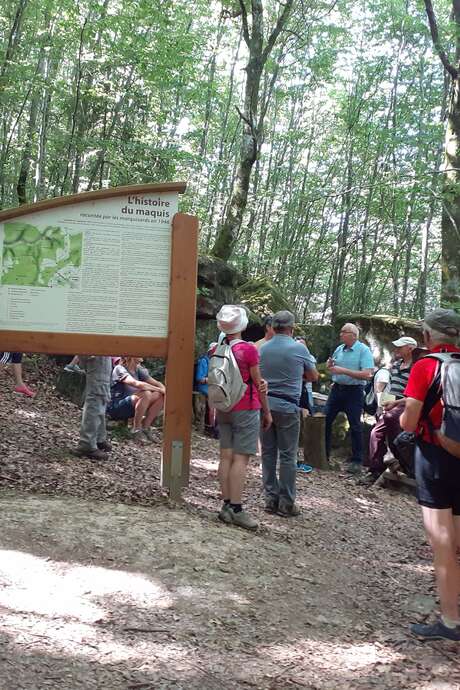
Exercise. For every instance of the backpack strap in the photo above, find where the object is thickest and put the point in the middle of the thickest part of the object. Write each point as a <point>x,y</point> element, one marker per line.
<point>434,392</point>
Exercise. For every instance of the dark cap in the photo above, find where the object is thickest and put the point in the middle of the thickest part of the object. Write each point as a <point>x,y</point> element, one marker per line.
<point>283,319</point>
<point>445,321</point>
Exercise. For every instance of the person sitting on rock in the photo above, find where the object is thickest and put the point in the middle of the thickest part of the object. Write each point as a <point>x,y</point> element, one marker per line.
<point>201,386</point>
<point>93,433</point>
<point>135,394</point>
<point>15,359</point>
<point>388,427</point>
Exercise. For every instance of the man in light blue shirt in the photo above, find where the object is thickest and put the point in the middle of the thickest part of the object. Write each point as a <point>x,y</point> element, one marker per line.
<point>351,366</point>
<point>284,362</point>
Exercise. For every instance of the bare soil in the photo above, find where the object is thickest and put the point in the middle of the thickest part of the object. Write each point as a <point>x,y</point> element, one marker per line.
<point>104,584</point>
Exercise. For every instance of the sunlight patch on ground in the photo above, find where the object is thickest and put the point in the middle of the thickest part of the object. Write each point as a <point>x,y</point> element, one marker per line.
<point>201,463</point>
<point>60,636</point>
<point>26,413</point>
<point>54,589</point>
<point>325,655</point>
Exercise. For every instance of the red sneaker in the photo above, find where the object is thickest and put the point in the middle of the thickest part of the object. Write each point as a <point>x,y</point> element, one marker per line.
<point>25,390</point>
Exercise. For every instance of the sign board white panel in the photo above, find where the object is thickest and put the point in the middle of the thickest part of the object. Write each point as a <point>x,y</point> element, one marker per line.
<point>98,266</point>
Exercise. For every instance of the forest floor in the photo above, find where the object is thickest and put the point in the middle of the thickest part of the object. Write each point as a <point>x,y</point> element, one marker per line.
<point>104,584</point>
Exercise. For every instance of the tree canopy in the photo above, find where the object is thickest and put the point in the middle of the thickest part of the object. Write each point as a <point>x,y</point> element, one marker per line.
<point>344,130</point>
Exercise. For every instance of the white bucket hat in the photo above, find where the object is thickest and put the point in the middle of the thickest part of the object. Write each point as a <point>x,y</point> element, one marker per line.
<point>232,319</point>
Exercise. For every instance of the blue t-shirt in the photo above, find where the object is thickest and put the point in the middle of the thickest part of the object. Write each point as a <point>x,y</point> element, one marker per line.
<point>357,357</point>
<point>283,362</point>
<point>201,372</point>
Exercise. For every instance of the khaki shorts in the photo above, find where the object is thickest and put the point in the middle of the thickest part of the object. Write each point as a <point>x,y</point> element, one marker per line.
<point>239,430</point>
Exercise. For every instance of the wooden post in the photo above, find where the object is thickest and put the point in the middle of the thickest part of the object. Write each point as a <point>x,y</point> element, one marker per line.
<point>180,357</point>
<point>314,441</point>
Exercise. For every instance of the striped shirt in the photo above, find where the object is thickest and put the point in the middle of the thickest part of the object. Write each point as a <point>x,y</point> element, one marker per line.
<point>399,376</point>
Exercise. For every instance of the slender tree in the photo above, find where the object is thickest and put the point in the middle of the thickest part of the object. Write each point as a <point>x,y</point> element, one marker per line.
<point>252,116</point>
<point>450,223</point>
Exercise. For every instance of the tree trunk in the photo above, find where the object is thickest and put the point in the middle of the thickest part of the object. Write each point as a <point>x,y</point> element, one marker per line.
<point>450,223</point>
<point>252,125</point>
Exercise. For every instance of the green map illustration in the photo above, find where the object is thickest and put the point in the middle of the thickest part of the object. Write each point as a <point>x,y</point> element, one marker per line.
<point>41,257</point>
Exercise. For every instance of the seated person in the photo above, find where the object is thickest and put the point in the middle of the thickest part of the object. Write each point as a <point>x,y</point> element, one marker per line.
<point>135,394</point>
<point>15,359</point>
<point>388,427</point>
<point>200,385</point>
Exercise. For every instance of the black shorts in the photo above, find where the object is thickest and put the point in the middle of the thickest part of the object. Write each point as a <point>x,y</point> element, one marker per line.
<point>10,357</point>
<point>438,477</point>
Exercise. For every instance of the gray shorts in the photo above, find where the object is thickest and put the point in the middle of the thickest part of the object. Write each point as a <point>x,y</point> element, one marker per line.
<point>239,430</point>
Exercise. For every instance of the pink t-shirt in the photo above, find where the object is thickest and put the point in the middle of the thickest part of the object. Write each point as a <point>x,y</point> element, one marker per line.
<point>247,356</point>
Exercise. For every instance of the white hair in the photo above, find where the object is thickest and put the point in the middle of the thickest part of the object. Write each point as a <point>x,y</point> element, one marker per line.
<point>351,327</point>
<point>440,338</point>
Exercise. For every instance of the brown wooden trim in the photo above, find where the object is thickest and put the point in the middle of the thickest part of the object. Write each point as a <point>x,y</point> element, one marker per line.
<point>181,349</point>
<point>98,194</point>
<point>82,344</point>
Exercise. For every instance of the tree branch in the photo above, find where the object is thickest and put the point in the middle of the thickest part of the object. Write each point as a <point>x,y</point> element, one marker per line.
<point>282,19</point>
<point>436,42</point>
<point>244,20</point>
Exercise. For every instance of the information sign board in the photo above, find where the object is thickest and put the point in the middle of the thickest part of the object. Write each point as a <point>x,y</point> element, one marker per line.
<point>109,272</point>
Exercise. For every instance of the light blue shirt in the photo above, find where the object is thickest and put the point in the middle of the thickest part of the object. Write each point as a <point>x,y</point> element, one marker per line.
<point>283,362</point>
<point>357,357</point>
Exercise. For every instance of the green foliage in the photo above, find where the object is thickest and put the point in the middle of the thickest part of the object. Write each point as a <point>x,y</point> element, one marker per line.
<point>345,194</point>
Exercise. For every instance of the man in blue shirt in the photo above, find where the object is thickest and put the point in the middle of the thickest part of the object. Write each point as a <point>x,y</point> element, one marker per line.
<point>351,366</point>
<point>284,362</point>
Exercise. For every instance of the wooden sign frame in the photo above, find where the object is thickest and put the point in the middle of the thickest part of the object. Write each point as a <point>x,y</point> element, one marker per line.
<point>177,348</point>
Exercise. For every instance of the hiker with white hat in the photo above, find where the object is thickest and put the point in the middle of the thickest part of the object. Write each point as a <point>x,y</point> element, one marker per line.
<point>388,427</point>
<point>234,366</point>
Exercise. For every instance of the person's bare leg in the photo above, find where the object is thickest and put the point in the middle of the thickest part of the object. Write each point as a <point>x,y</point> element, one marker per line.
<point>457,532</point>
<point>153,410</point>
<point>17,373</point>
<point>223,472</point>
<point>443,535</point>
<point>237,477</point>
<point>142,405</point>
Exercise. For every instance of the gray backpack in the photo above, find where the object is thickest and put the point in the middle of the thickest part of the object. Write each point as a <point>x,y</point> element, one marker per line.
<point>225,383</point>
<point>446,383</point>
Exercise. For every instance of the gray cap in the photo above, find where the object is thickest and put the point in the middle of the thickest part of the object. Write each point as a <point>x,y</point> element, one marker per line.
<point>283,319</point>
<point>445,321</point>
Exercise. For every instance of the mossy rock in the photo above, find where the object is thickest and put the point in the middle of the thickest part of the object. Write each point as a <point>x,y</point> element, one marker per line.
<point>320,339</point>
<point>261,297</point>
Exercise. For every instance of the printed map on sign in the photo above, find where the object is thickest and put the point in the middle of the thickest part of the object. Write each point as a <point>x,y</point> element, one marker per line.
<point>41,257</point>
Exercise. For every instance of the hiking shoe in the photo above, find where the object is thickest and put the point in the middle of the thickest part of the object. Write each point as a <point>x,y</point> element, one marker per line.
<point>225,514</point>
<point>136,435</point>
<point>354,468</point>
<point>436,631</point>
<point>95,454</point>
<point>369,478</point>
<point>148,433</point>
<point>271,505</point>
<point>25,390</point>
<point>74,368</point>
<point>304,468</point>
<point>288,510</point>
<point>243,519</point>
<point>105,445</point>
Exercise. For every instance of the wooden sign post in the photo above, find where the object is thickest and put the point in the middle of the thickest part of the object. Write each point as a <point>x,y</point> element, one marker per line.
<point>110,272</point>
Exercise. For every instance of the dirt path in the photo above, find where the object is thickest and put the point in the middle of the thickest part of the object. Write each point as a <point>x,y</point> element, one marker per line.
<point>103,585</point>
